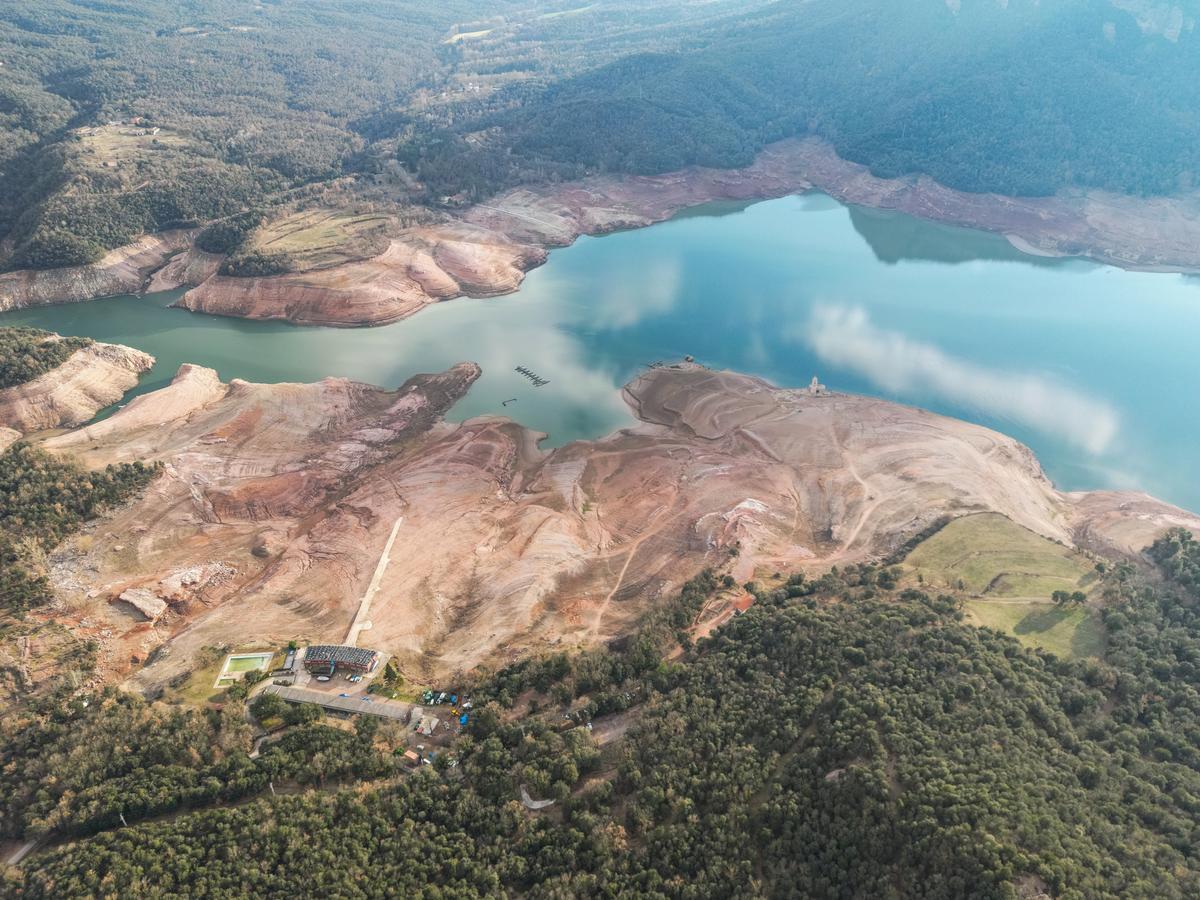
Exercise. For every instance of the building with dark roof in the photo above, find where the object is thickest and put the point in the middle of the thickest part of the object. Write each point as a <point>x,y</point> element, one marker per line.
<point>325,659</point>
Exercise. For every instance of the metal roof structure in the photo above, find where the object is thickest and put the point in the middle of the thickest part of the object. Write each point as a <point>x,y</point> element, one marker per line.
<point>340,655</point>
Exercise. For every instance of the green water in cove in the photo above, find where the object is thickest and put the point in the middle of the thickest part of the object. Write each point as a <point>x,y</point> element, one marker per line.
<point>1093,367</point>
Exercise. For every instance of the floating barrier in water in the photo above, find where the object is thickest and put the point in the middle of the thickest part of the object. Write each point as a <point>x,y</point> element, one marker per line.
<point>537,380</point>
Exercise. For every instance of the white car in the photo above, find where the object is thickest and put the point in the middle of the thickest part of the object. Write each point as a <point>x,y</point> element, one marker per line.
<point>322,678</point>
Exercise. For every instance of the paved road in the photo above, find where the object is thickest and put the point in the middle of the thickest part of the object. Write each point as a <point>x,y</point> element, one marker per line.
<point>355,703</point>
<point>364,607</point>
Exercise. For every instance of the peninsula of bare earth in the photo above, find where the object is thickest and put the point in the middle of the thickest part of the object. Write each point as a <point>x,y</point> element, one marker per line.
<point>635,448</point>
<point>275,503</point>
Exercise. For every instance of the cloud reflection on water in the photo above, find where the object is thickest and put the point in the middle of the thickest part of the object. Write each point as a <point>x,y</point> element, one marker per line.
<point>628,297</point>
<point>846,337</point>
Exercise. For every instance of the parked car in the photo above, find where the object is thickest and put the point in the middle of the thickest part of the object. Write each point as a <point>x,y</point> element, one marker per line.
<point>322,678</point>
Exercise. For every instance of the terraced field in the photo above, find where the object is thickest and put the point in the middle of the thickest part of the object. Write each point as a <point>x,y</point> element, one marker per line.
<point>320,238</point>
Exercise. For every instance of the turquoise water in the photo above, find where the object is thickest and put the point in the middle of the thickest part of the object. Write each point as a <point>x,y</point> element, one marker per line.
<point>1093,367</point>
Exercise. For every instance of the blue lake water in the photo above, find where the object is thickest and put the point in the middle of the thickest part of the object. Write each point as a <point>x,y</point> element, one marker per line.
<point>1094,367</point>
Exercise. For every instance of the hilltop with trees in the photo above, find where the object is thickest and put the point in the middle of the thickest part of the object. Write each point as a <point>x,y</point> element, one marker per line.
<point>104,109</point>
<point>844,737</point>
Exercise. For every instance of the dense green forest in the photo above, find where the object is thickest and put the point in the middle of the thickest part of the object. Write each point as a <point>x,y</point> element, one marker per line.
<point>71,769</point>
<point>1020,97</point>
<point>249,101</point>
<point>124,117</point>
<point>26,353</point>
<point>842,738</point>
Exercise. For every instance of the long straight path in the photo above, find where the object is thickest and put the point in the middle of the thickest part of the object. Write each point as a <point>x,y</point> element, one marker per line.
<point>21,852</point>
<point>364,606</point>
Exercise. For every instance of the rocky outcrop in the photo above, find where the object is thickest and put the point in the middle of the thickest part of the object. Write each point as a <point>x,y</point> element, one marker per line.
<point>125,270</point>
<point>498,548</point>
<point>90,379</point>
<point>146,602</point>
<point>193,266</point>
<point>422,266</point>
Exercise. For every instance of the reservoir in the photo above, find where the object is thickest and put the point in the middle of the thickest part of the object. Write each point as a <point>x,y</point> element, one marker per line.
<point>1093,367</point>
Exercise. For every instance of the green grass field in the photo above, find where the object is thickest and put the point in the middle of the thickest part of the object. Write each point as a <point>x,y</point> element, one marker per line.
<point>1009,574</point>
<point>122,146</point>
<point>989,555</point>
<point>214,672</point>
<point>197,689</point>
<point>1071,632</point>
<point>319,238</point>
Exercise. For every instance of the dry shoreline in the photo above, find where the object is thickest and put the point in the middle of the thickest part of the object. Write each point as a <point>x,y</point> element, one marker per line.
<point>70,394</point>
<point>276,499</point>
<point>486,250</point>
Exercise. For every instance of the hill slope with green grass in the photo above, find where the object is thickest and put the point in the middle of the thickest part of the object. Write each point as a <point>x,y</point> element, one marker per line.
<point>989,555</point>
<point>1011,577</point>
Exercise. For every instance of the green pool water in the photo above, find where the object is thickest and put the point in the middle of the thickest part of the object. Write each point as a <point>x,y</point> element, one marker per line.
<point>247,663</point>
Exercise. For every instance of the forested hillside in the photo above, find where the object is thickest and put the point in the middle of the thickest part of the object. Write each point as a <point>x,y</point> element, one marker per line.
<point>839,739</point>
<point>247,102</point>
<point>125,117</point>
<point>1020,97</point>
<point>26,353</point>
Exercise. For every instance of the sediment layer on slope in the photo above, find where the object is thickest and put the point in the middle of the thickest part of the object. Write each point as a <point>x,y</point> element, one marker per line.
<point>421,266</point>
<point>90,379</point>
<point>1159,233</point>
<point>503,548</point>
<point>486,249</point>
<point>125,270</point>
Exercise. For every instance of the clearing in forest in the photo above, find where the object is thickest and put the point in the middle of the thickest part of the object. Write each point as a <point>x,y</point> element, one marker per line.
<point>989,555</point>
<point>122,146</point>
<point>1011,573</point>
<point>320,238</point>
<point>467,36</point>
<point>1071,632</point>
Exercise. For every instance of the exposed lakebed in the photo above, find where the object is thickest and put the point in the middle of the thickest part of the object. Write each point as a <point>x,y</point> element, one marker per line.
<point>1094,367</point>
